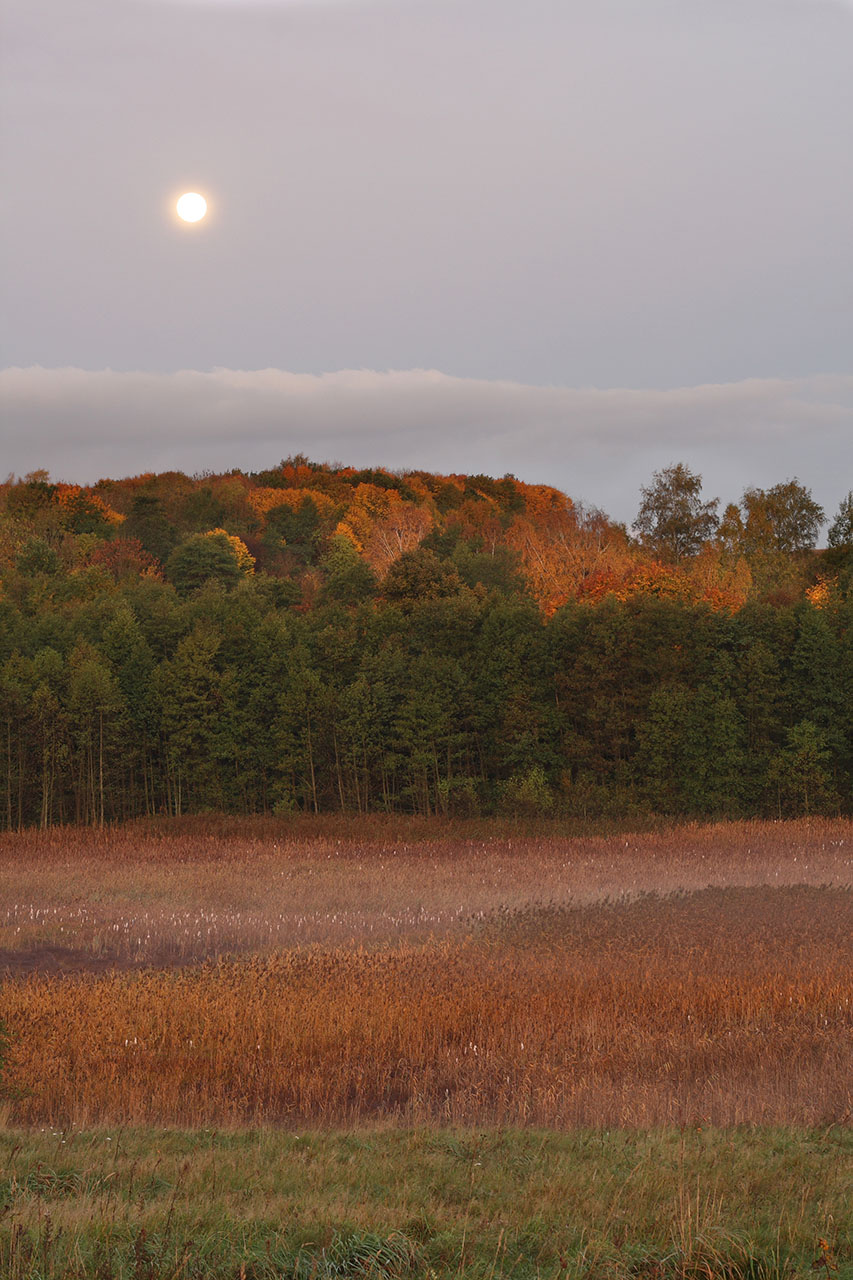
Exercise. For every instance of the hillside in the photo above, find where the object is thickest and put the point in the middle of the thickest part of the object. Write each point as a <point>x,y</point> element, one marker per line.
<point>319,638</point>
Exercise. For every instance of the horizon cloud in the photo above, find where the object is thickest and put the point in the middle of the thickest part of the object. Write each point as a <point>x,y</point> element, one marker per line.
<point>599,446</point>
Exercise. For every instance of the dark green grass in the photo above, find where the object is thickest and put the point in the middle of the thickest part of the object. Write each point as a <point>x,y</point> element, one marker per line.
<point>745,1204</point>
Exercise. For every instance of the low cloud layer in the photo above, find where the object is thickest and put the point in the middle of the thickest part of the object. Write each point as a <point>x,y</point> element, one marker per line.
<point>599,446</point>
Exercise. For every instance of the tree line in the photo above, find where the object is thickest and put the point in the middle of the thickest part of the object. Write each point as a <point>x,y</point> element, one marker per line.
<point>381,660</point>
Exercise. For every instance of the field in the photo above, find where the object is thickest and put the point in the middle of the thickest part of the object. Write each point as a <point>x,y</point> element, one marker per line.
<point>446,1018</point>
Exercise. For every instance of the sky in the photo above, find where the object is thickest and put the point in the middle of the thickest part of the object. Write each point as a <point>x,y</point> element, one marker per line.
<point>576,240</point>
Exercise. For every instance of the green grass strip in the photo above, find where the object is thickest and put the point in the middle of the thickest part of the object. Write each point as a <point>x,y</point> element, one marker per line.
<point>143,1204</point>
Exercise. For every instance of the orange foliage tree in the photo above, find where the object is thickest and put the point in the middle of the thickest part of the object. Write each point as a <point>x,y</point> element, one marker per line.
<point>402,529</point>
<point>569,552</point>
<point>125,558</point>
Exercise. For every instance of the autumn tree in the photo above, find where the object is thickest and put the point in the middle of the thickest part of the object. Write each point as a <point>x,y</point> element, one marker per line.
<point>401,530</point>
<point>125,559</point>
<point>783,519</point>
<point>32,499</point>
<point>673,522</point>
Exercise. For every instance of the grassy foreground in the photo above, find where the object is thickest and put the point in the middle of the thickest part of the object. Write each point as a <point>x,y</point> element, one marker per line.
<point>739,1204</point>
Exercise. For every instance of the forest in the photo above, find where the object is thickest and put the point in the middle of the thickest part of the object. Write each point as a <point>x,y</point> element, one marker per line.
<point>315,638</point>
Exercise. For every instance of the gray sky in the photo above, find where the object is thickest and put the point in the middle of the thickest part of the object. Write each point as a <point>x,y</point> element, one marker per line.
<point>653,198</point>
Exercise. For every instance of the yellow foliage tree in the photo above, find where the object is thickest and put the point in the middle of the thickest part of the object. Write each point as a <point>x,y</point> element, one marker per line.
<point>242,554</point>
<point>819,595</point>
<point>369,504</point>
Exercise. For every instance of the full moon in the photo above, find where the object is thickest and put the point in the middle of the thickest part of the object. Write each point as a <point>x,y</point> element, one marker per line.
<point>191,206</point>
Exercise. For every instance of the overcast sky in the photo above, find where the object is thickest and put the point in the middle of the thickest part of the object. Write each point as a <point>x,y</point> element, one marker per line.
<point>619,233</point>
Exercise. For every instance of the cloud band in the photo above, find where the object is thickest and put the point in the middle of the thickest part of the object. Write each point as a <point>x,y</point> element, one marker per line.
<point>596,444</point>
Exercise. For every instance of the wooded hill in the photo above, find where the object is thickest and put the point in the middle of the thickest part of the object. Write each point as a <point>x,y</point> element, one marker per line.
<point>317,637</point>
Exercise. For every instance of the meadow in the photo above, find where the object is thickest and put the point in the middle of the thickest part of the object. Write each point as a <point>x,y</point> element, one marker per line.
<point>509,1052</point>
<point>694,1204</point>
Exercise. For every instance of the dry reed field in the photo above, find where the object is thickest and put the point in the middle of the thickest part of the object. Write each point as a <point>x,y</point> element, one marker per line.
<point>686,976</point>
<point>189,889</point>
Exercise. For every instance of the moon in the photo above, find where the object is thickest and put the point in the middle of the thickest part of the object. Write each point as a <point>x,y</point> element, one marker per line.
<point>191,207</point>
